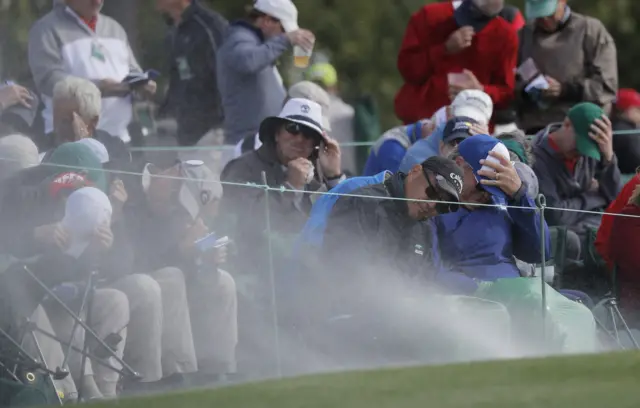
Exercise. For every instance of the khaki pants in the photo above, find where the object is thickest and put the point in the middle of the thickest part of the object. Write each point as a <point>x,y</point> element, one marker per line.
<point>52,351</point>
<point>214,317</point>
<point>109,314</point>
<point>159,338</point>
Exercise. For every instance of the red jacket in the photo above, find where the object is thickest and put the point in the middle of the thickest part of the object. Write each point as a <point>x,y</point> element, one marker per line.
<point>424,63</point>
<point>625,252</point>
<point>603,238</point>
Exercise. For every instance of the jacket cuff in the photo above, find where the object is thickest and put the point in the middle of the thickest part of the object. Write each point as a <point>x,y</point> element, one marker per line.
<point>522,191</point>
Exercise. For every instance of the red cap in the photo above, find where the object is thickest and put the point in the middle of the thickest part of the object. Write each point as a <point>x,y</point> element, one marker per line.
<point>66,181</point>
<point>627,98</point>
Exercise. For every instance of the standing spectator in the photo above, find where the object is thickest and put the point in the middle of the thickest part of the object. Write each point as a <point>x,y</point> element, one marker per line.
<point>576,55</point>
<point>193,98</point>
<point>340,113</point>
<point>470,42</point>
<point>249,82</point>
<point>577,169</point>
<point>626,118</point>
<point>75,39</point>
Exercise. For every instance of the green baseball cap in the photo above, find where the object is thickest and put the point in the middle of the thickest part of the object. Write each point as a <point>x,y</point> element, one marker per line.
<point>540,8</point>
<point>582,117</point>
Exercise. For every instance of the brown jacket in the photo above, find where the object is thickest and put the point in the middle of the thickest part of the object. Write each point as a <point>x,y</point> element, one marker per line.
<point>581,55</point>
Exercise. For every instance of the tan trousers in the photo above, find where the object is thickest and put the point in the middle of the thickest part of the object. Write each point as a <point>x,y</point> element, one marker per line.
<point>109,314</point>
<point>159,338</point>
<point>213,304</point>
<point>52,351</point>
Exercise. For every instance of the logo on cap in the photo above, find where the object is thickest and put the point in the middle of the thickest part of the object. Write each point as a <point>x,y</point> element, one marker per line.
<point>305,108</point>
<point>461,126</point>
<point>457,181</point>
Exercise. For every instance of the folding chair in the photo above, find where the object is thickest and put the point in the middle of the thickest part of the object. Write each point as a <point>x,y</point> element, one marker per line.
<point>611,312</point>
<point>23,290</point>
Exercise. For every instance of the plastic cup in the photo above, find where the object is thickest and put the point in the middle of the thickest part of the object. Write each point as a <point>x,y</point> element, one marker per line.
<point>301,57</point>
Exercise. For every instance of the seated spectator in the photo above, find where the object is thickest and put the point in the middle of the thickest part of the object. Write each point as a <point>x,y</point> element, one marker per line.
<point>76,106</point>
<point>447,50</point>
<point>624,255</point>
<point>341,114</point>
<point>522,157</point>
<point>603,237</point>
<point>626,119</point>
<point>471,104</point>
<point>387,152</point>
<point>296,154</point>
<point>165,217</point>
<point>303,89</point>
<point>577,168</point>
<point>17,152</point>
<point>481,240</point>
<point>585,73</point>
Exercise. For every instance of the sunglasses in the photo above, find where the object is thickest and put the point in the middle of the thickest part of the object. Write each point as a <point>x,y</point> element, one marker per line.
<point>297,129</point>
<point>436,193</point>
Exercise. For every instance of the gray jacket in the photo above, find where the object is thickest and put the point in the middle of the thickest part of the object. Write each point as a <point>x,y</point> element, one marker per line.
<point>572,191</point>
<point>250,87</point>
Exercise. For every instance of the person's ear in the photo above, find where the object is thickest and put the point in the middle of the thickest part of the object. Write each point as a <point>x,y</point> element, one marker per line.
<point>460,161</point>
<point>92,125</point>
<point>567,125</point>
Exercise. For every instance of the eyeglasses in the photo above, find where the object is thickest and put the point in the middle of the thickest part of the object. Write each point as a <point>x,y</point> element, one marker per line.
<point>439,195</point>
<point>297,129</point>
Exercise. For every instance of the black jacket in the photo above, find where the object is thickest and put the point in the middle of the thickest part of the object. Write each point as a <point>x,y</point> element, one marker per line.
<point>626,146</point>
<point>193,97</point>
<point>375,236</point>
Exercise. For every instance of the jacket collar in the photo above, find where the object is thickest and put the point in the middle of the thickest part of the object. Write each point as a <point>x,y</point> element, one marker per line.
<point>249,26</point>
<point>190,11</point>
<point>394,184</point>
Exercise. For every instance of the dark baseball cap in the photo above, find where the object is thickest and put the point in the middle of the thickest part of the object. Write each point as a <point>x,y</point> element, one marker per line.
<point>458,128</point>
<point>448,174</point>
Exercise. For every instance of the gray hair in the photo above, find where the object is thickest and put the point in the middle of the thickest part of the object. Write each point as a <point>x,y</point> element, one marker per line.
<point>82,91</point>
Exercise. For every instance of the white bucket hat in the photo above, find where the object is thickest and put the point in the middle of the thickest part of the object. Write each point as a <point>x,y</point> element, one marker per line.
<point>298,110</point>
<point>313,92</point>
<point>283,10</point>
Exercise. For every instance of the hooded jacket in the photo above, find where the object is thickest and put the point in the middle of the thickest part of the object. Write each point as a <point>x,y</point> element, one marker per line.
<point>567,191</point>
<point>388,151</point>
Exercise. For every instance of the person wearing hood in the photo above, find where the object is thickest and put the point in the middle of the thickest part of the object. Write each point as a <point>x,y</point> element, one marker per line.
<point>577,168</point>
<point>249,82</point>
<point>473,104</point>
<point>496,222</point>
<point>195,35</point>
<point>446,50</point>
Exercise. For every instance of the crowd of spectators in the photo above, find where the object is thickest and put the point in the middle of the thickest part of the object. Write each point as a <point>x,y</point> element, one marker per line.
<point>496,110</point>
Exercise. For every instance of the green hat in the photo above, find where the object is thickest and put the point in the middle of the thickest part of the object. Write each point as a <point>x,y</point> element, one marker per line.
<point>540,8</point>
<point>323,73</point>
<point>77,157</point>
<point>582,117</point>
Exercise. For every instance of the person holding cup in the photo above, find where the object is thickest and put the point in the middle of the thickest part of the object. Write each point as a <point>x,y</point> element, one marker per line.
<point>250,85</point>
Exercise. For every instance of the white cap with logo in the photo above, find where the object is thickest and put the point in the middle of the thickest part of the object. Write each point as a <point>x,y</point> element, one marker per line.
<point>474,104</point>
<point>283,10</point>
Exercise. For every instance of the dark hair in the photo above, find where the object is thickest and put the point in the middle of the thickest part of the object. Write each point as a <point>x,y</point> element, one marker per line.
<point>254,14</point>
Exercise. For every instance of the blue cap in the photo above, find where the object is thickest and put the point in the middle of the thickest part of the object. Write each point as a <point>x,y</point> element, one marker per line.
<point>476,148</point>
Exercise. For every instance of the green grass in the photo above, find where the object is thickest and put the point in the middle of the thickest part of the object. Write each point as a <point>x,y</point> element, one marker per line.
<point>602,381</point>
